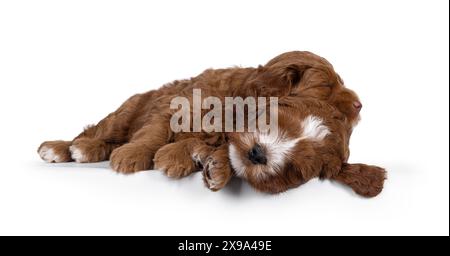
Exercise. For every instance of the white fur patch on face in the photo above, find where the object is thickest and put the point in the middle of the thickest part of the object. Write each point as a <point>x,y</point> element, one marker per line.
<point>314,129</point>
<point>77,155</point>
<point>278,149</point>
<point>48,155</point>
<point>236,161</point>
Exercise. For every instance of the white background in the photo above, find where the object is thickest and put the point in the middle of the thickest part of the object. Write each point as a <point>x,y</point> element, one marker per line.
<point>65,64</point>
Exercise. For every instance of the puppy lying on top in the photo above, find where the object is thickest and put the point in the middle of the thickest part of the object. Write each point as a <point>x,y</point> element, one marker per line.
<point>316,116</point>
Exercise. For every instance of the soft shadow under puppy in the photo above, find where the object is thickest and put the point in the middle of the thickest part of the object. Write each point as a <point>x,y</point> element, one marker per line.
<point>234,187</point>
<point>98,165</point>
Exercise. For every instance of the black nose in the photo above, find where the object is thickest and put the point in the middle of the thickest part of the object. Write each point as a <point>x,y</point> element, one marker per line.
<point>256,155</point>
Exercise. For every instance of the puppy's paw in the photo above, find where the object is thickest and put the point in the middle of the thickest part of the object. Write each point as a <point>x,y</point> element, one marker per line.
<point>131,158</point>
<point>175,161</point>
<point>86,150</point>
<point>216,173</point>
<point>365,180</point>
<point>55,151</point>
<point>176,170</point>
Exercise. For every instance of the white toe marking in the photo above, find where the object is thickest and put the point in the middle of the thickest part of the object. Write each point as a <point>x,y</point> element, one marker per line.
<point>48,155</point>
<point>211,184</point>
<point>77,155</point>
<point>196,157</point>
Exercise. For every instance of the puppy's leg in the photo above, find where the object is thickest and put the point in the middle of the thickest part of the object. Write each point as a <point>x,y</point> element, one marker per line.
<point>217,171</point>
<point>84,149</point>
<point>365,180</point>
<point>95,143</point>
<point>139,153</point>
<point>182,158</point>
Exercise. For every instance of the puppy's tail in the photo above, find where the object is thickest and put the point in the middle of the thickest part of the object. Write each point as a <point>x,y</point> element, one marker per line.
<point>365,180</point>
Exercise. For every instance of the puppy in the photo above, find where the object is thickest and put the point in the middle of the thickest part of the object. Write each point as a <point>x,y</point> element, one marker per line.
<point>312,141</point>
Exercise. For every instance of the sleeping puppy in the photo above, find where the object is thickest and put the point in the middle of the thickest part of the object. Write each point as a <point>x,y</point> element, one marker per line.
<point>312,141</point>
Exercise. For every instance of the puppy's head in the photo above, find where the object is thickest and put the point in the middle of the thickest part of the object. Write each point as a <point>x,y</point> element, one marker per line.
<point>304,74</point>
<point>306,145</point>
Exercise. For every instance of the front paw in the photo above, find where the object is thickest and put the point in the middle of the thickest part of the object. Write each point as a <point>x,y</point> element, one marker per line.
<point>216,173</point>
<point>174,161</point>
<point>131,158</point>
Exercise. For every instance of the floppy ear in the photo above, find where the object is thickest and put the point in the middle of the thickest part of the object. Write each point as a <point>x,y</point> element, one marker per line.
<point>294,73</point>
<point>291,74</point>
<point>278,80</point>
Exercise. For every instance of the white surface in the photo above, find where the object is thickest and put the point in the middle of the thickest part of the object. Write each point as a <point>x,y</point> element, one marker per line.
<point>65,64</point>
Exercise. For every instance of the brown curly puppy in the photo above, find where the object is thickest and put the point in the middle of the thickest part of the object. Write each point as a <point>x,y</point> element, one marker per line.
<point>312,141</point>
